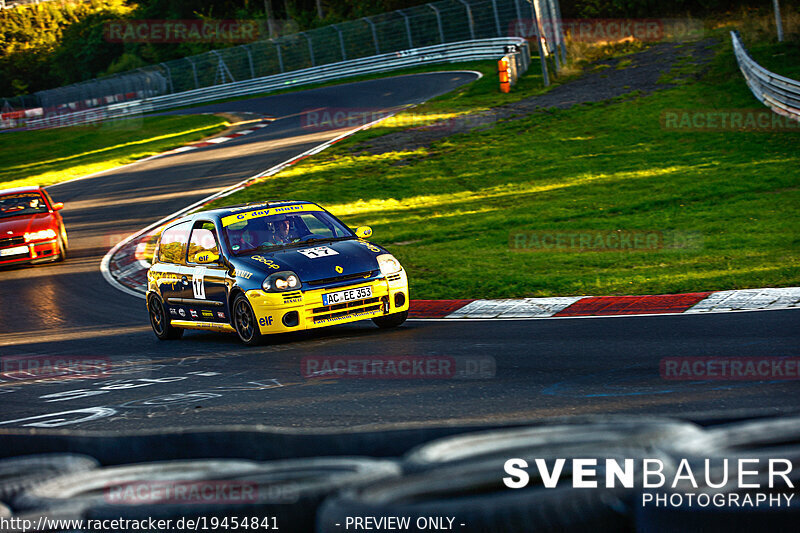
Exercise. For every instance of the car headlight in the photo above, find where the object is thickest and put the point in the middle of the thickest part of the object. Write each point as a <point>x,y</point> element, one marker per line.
<point>281,281</point>
<point>40,235</point>
<point>388,264</point>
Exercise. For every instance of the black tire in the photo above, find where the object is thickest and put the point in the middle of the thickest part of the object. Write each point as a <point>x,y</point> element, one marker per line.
<point>92,488</point>
<point>760,439</point>
<point>579,435</point>
<point>290,491</point>
<point>391,321</point>
<point>683,518</point>
<point>63,245</point>
<point>479,500</point>
<point>20,473</point>
<point>160,321</point>
<point>245,321</point>
<point>742,437</point>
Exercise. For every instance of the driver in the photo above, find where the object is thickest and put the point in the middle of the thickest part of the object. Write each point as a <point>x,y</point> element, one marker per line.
<point>281,233</point>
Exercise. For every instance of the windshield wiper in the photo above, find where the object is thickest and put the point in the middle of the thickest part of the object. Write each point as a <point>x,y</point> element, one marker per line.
<point>311,241</point>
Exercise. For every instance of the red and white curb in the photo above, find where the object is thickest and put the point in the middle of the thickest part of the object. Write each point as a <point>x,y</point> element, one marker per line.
<point>215,140</point>
<point>605,306</point>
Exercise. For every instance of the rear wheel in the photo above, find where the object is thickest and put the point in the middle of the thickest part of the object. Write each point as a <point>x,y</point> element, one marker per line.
<point>160,322</point>
<point>391,321</point>
<point>245,321</point>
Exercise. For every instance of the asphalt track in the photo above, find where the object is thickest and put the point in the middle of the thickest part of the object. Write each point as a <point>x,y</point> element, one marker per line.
<point>500,370</point>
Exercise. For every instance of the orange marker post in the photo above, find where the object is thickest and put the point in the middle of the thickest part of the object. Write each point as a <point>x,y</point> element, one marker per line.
<point>502,69</point>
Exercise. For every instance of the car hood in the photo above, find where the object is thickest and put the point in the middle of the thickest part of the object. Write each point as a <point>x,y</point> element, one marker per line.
<point>25,223</point>
<point>351,256</point>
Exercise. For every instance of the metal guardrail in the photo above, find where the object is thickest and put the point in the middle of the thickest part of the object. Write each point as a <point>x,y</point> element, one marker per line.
<point>438,23</point>
<point>779,93</point>
<point>447,53</point>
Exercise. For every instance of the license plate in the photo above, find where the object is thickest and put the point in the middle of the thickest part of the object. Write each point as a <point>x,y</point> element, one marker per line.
<point>14,251</point>
<point>349,295</point>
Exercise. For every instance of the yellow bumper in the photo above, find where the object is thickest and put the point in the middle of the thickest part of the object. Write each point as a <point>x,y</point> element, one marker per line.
<point>275,310</point>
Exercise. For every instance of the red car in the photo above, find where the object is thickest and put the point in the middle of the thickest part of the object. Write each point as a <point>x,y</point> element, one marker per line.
<point>31,228</point>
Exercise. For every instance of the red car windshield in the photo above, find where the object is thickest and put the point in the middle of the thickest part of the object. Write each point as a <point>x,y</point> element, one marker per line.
<point>12,205</point>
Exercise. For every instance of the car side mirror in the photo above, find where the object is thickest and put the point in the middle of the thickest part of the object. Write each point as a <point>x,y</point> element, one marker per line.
<point>58,206</point>
<point>206,258</point>
<point>363,232</point>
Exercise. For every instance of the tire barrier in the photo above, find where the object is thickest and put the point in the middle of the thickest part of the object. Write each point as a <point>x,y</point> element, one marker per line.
<point>85,489</point>
<point>427,474</point>
<point>19,473</point>
<point>572,435</point>
<point>287,491</point>
<point>744,436</point>
<point>478,501</point>
<point>723,447</point>
<point>227,442</point>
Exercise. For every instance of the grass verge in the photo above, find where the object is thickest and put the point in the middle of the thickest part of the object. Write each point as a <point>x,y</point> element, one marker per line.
<point>45,157</point>
<point>451,215</point>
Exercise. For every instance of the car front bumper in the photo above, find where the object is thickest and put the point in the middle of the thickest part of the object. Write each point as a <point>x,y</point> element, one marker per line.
<point>37,252</point>
<point>299,310</point>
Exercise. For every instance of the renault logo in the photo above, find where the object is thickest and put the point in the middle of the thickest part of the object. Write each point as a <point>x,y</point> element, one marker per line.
<point>339,269</point>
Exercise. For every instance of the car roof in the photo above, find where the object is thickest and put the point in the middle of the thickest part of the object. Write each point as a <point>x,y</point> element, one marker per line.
<point>231,209</point>
<point>19,190</point>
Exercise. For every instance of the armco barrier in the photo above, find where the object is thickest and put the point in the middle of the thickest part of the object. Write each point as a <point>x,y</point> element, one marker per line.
<point>478,49</point>
<point>779,93</point>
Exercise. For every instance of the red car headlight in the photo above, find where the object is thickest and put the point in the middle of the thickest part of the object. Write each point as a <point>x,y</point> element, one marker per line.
<point>40,235</point>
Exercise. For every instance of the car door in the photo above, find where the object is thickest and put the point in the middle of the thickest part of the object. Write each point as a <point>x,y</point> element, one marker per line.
<point>208,294</point>
<point>169,269</point>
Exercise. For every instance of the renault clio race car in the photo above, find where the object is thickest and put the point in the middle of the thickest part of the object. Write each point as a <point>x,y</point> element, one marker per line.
<point>273,267</point>
<point>31,227</point>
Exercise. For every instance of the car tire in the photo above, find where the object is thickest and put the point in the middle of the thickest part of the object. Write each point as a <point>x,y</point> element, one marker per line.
<point>63,245</point>
<point>289,490</point>
<point>391,321</point>
<point>160,321</point>
<point>245,322</point>
<point>86,489</point>
<point>480,503</point>
<point>20,473</point>
<point>579,434</point>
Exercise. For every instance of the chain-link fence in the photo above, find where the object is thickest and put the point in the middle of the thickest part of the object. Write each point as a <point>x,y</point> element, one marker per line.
<point>445,21</point>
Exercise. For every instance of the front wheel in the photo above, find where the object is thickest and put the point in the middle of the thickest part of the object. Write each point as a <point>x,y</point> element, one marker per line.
<point>160,322</point>
<point>391,321</point>
<point>62,245</point>
<point>245,321</point>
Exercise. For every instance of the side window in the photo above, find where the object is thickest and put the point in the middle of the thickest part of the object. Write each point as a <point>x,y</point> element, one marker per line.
<point>172,246</point>
<point>203,239</point>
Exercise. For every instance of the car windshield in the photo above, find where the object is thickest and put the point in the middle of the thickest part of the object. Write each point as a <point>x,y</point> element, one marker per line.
<point>12,205</point>
<point>273,232</point>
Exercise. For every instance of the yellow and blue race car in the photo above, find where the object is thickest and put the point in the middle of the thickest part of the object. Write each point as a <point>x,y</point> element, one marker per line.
<point>272,267</point>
